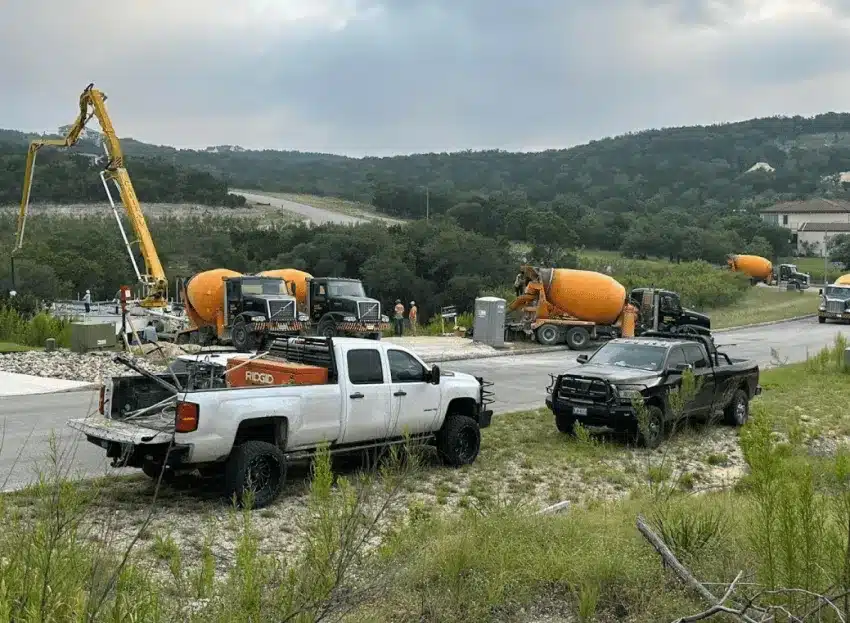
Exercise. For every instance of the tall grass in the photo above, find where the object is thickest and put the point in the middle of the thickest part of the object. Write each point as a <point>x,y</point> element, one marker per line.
<point>34,331</point>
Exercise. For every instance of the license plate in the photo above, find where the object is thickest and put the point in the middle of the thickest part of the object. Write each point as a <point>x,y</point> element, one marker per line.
<point>579,410</point>
<point>370,327</point>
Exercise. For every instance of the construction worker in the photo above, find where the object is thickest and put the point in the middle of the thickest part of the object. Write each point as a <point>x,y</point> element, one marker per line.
<point>411,315</point>
<point>399,318</point>
<point>519,284</point>
<point>87,301</point>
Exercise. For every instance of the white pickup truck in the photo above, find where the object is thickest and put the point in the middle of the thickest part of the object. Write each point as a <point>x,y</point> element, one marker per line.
<point>377,394</point>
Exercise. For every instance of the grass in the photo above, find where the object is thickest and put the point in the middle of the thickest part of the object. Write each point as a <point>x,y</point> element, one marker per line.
<point>11,347</point>
<point>463,544</point>
<point>763,305</point>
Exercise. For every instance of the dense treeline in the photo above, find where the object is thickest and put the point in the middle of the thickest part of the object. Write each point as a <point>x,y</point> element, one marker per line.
<point>433,262</point>
<point>62,177</point>
<point>683,193</point>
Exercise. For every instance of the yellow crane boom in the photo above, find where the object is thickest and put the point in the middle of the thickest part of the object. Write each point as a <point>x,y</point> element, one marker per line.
<point>92,104</point>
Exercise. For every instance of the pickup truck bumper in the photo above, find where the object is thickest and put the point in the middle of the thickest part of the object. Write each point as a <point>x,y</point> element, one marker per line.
<point>613,416</point>
<point>130,445</point>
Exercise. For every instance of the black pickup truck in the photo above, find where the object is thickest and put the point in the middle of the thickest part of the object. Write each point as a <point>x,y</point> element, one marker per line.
<point>600,393</point>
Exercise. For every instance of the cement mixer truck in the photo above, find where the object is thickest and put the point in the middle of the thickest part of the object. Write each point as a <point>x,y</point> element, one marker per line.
<point>334,306</point>
<point>762,270</point>
<point>575,307</point>
<point>247,311</point>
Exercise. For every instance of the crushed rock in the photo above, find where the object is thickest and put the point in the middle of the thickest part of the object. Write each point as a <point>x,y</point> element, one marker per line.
<point>90,367</point>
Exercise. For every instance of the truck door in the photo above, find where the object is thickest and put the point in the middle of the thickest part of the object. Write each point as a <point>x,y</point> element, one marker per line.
<point>366,397</point>
<point>415,401</point>
<point>704,374</point>
<point>318,300</point>
<point>232,300</point>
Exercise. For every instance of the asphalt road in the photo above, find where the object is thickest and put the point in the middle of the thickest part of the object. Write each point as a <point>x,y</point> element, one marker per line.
<point>520,382</point>
<point>314,215</point>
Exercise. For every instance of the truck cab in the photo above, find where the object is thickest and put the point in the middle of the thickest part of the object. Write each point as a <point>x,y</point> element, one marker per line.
<point>257,309</point>
<point>788,273</point>
<point>834,303</point>
<point>338,306</point>
<point>661,310</point>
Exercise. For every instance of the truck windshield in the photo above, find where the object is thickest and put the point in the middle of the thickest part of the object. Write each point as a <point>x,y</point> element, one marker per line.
<point>264,286</point>
<point>838,293</point>
<point>345,288</point>
<point>640,356</point>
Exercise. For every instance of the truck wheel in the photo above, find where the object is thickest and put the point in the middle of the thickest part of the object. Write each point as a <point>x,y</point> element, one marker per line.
<point>241,336</point>
<point>565,424</point>
<point>822,319</point>
<point>459,441</point>
<point>738,411</point>
<point>547,335</point>
<point>374,336</point>
<point>578,338</point>
<point>327,328</point>
<point>152,470</point>
<point>255,466</point>
<point>654,434</point>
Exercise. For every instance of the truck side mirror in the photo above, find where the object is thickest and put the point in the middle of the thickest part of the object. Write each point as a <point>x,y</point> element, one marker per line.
<point>434,377</point>
<point>582,358</point>
<point>820,291</point>
<point>679,368</point>
<point>294,290</point>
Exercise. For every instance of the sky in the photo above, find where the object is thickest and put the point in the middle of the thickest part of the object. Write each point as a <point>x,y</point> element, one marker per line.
<point>383,77</point>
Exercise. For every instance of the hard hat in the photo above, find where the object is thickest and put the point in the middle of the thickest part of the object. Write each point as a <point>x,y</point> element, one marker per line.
<point>398,301</point>
<point>88,291</point>
<point>413,302</point>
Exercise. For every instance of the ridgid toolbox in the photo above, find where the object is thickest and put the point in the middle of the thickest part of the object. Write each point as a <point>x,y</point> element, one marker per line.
<point>273,372</point>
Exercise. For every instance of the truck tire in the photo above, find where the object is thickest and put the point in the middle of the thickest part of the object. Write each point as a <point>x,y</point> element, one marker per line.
<point>152,470</point>
<point>241,336</point>
<point>566,424</point>
<point>375,336</point>
<point>654,435</point>
<point>547,335</point>
<point>257,466</point>
<point>738,411</point>
<point>578,338</point>
<point>822,319</point>
<point>459,441</point>
<point>327,328</point>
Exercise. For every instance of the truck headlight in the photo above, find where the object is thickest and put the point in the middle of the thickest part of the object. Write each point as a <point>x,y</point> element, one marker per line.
<point>303,317</point>
<point>349,319</point>
<point>385,318</point>
<point>629,392</point>
<point>259,319</point>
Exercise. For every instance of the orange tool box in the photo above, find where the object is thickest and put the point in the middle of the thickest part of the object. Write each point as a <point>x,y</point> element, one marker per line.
<point>273,372</point>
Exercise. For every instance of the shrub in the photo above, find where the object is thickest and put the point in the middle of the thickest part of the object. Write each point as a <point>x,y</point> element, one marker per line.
<point>33,332</point>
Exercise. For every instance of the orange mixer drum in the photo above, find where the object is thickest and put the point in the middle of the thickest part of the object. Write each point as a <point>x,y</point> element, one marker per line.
<point>205,294</point>
<point>585,294</point>
<point>843,280</point>
<point>751,265</point>
<point>293,275</point>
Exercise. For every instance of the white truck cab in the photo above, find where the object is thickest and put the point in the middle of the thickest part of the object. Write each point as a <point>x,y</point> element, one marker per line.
<point>377,394</point>
<point>834,303</point>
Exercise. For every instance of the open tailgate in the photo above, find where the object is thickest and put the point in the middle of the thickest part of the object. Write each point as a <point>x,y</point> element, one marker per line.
<point>123,432</point>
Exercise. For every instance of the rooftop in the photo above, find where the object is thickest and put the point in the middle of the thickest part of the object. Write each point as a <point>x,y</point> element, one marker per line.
<point>816,205</point>
<point>825,227</point>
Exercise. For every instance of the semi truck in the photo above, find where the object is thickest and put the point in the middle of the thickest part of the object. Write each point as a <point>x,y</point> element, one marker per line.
<point>576,307</point>
<point>762,270</point>
<point>334,306</point>
<point>834,302</point>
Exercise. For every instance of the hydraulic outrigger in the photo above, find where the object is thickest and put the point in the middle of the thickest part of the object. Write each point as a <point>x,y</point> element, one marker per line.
<point>92,104</point>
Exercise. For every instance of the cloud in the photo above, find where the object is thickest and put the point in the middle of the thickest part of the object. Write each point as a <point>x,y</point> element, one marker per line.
<point>395,76</point>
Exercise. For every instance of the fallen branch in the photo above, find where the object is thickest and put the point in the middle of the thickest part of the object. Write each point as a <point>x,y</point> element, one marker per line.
<point>560,507</point>
<point>686,576</point>
<point>716,608</point>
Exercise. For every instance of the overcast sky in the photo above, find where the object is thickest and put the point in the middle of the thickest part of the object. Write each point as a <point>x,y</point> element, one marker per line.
<point>382,77</point>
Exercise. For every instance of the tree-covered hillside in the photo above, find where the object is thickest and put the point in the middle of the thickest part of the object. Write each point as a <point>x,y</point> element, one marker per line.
<point>73,177</point>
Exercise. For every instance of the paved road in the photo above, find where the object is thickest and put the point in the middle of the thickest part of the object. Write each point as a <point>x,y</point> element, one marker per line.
<point>520,382</point>
<point>313,214</point>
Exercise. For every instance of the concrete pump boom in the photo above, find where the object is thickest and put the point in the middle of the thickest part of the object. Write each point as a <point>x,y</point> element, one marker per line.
<point>92,104</point>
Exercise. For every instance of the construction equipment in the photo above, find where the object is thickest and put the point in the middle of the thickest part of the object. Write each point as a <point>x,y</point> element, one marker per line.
<point>335,306</point>
<point>762,270</point>
<point>787,275</point>
<point>248,311</point>
<point>93,104</point>
<point>843,280</point>
<point>569,306</point>
<point>834,303</point>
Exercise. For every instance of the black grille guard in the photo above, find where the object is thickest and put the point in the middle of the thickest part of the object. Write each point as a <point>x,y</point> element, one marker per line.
<point>579,387</point>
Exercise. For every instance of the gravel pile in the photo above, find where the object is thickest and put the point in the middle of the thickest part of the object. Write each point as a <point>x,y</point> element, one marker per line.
<point>63,364</point>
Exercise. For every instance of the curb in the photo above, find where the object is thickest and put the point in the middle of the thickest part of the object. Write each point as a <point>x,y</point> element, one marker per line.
<point>763,324</point>
<point>83,388</point>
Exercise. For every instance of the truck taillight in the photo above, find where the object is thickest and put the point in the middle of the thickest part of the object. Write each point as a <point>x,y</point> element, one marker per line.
<point>100,400</point>
<point>187,417</point>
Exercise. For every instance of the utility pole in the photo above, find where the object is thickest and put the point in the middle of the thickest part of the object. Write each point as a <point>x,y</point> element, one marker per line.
<point>825,257</point>
<point>427,204</point>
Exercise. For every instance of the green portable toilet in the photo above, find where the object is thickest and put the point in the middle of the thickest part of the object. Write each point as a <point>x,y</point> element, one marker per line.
<point>86,336</point>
